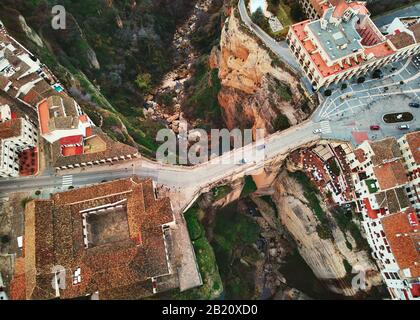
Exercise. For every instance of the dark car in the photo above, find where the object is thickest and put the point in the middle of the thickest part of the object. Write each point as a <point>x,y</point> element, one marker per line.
<point>374,127</point>
<point>414,105</point>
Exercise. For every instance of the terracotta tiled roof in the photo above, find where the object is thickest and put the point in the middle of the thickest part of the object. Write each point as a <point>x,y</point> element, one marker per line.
<point>395,200</point>
<point>413,141</point>
<point>113,149</point>
<point>11,128</point>
<point>54,235</point>
<point>57,112</point>
<point>3,82</point>
<point>404,238</point>
<point>320,6</point>
<point>360,155</point>
<point>17,286</point>
<point>385,150</point>
<point>340,8</point>
<point>401,40</point>
<point>416,30</point>
<point>391,175</point>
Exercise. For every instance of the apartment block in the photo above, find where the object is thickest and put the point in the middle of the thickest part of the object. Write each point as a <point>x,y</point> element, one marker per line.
<point>345,43</point>
<point>387,203</point>
<point>16,135</point>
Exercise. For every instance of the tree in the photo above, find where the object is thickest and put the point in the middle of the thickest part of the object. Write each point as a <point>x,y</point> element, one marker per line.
<point>376,74</point>
<point>5,239</point>
<point>327,92</point>
<point>259,19</point>
<point>344,86</point>
<point>143,82</point>
<point>296,12</point>
<point>361,80</point>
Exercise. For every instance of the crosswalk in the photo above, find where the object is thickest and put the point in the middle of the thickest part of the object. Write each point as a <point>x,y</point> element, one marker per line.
<point>67,181</point>
<point>325,127</point>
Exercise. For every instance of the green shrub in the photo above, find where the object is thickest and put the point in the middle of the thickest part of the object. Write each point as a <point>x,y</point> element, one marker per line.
<point>249,186</point>
<point>281,122</point>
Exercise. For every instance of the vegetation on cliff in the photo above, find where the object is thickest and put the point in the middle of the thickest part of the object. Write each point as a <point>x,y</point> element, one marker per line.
<point>234,237</point>
<point>110,55</point>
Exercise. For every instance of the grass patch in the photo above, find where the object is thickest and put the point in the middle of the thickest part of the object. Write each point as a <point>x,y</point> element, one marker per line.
<point>203,90</point>
<point>371,185</point>
<point>393,117</point>
<point>346,224</point>
<point>347,266</point>
<point>195,229</point>
<point>335,168</point>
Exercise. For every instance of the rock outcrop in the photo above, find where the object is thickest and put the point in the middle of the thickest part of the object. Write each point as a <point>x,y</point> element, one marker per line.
<point>326,257</point>
<point>255,89</point>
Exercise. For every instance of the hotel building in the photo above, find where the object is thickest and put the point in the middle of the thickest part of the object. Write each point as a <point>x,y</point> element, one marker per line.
<point>345,43</point>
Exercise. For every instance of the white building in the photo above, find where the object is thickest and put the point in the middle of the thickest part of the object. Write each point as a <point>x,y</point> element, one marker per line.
<point>345,43</point>
<point>61,117</point>
<point>380,179</point>
<point>410,149</point>
<point>15,135</point>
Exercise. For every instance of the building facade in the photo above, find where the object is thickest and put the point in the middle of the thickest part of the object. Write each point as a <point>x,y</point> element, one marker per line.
<point>345,43</point>
<point>61,117</point>
<point>382,180</point>
<point>15,135</point>
<point>114,240</point>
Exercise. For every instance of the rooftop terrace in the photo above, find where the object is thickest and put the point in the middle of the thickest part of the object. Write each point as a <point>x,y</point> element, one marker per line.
<point>338,41</point>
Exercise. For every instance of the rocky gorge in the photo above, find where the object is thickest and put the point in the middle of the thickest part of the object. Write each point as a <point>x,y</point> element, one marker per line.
<point>256,90</point>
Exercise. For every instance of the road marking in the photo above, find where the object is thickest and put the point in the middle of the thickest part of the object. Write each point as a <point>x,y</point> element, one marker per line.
<point>330,104</point>
<point>67,181</point>
<point>325,127</point>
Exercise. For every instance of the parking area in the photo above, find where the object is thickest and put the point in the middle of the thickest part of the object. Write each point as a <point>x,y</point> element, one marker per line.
<point>353,108</point>
<point>356,128</point>
<point>399,78</point>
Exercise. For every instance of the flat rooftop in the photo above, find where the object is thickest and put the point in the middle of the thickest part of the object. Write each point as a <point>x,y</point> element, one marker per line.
<point>337,41</point>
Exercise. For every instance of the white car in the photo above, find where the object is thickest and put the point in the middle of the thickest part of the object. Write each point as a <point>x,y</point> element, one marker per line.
<point>316,131</point>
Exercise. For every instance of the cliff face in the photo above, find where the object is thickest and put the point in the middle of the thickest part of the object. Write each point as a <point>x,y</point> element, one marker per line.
<point>255,91</point>
<point>325,256</point>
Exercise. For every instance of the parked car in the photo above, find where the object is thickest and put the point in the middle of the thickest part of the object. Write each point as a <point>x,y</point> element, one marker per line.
<point>316,131</point>
<point>375,127</point>
<point>243,161</point>
<point>404,127</point>
<point>414,105</point>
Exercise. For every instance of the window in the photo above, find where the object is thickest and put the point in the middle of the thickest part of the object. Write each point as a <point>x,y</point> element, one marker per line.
<point>77,278</point>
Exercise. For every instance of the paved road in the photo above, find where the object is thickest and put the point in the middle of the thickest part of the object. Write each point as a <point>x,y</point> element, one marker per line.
<point>387,18</point>
<point>280,48</point>
<point>178,177</point>
<point>335,124</point>
<point>362,105</point>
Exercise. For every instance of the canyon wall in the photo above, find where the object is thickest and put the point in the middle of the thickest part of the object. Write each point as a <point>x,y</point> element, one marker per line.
<point>255,91</point>
<point>326,257</point>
